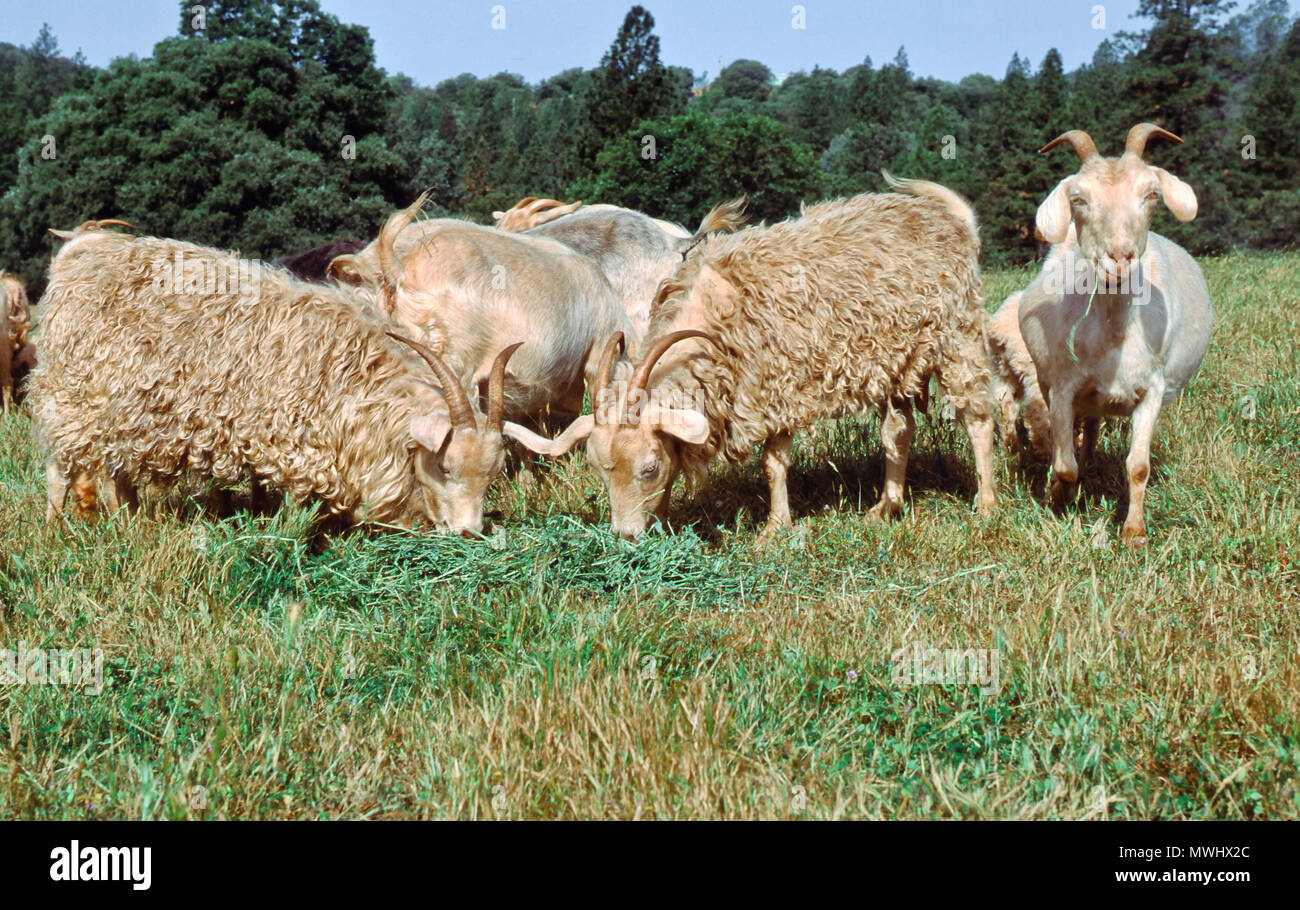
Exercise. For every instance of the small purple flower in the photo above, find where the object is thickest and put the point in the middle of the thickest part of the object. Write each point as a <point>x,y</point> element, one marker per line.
<point>853,674</point>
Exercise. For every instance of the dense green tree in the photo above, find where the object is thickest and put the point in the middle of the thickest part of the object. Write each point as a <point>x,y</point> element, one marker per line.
<point>631,85</point>
<point>30,79</point>
<point>698,161</point>
<point>812,104</point>
<point>748,80</point>
<point>227,143</point>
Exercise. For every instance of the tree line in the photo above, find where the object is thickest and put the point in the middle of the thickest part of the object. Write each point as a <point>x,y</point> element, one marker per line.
<point>268,127</point>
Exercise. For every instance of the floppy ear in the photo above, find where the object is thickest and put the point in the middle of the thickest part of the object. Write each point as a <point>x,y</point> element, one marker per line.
<point>1179,197</point>
<point>431,431</point>
<point>574,433</point>
<point>687,424</point>
<point>1053,218</point>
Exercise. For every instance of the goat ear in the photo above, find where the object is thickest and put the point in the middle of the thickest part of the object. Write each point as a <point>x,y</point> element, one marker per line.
<point>431,431</point>
<point>344,269</point>
<point>1179,197</point>
<point>1053,218</point>
<point>577,431</point>
<point>687,424</point>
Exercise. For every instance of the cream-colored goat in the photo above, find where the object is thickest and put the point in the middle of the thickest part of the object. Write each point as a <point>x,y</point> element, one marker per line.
<point>1119,319</point>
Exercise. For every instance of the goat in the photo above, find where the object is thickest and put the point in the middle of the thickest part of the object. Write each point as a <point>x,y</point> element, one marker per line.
<point>857,303</point>
<point>160,358</point>
<point>636,252</point>
<point>1015,382</point>
<point>1119,319</point>
<point>16,352</point>
<point>466,288</point>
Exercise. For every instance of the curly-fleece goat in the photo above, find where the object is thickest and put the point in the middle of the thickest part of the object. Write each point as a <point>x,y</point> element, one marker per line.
<point>16,353</point>
<point>161,358</point>
<point>855,304</point>
<point>1015,382</point>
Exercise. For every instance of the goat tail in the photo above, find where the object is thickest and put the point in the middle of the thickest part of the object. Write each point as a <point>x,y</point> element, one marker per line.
<point>384,250</point>
<point>725,216</point>
<point>954,203</point>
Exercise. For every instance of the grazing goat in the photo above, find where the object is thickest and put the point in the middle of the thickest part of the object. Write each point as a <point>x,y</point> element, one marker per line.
<point>1119,319</point>
<point>17,354</point>
<point>161,359</point>
<point>1015,382</point>
<point>857,303</point>
<point>313,264</point>
<point>466,289</point>
<point>634,251</point>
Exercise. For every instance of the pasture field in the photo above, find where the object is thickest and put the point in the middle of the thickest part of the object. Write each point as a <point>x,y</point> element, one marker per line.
<point>550,671</point>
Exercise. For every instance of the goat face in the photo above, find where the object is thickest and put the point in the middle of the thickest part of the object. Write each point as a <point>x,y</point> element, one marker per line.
<point>1111,200</point>
<point>639,463</point>
<point>457,454</point>
<point>454,467</point>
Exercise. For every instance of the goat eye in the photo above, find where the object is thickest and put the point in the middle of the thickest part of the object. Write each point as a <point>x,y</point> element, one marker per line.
<point>1152,196</point>
<point>650,468</point>
<point>1078,202</point>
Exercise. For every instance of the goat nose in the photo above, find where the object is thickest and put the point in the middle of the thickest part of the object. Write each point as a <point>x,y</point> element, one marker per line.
<point>1125,256</point>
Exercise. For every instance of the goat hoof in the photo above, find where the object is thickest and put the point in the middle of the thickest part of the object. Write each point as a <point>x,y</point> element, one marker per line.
<point>1063,492</point>
<point>884,509</point>
<point>1135,537</point>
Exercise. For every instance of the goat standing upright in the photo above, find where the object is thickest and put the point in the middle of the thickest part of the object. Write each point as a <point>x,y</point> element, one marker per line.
<point>1119,319</point>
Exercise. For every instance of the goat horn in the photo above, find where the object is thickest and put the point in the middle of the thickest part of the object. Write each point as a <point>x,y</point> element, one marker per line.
<point>642,374</point>
<point>602,372</point>
<point>1080,141</point>
<point>1140,134</point>
<point>462,413</point>
<point>497,388</point>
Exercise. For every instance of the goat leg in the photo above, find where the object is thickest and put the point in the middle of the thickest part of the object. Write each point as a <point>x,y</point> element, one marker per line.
<point>776,464</point>
<point>1138,463</point>
<point>897,430</point>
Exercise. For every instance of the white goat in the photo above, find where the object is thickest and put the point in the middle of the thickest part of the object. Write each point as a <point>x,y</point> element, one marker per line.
<point>1118,321</point>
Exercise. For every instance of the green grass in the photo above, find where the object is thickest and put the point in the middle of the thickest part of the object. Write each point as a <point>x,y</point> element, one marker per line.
<point>553,671</point>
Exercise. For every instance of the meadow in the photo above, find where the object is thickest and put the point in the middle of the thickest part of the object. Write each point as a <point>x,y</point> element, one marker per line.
<point>255,670</point>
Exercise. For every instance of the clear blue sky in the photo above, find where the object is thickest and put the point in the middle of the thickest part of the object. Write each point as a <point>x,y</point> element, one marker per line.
<point>432,40</point>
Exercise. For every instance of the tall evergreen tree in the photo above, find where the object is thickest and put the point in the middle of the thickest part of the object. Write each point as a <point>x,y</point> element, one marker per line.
<point>631,85</point>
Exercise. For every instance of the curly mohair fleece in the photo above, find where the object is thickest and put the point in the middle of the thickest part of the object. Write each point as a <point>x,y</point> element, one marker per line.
<point>15,322</point>
<point>297,383</point>
<point>857,302</point>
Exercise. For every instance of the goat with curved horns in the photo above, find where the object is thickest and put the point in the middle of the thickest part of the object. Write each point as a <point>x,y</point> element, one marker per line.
<point>854,305</point>
<point>297,384</point>
<point>1119,319</point>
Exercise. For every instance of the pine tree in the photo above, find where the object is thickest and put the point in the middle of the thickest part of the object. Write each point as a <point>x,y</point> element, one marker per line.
<point>631,85</point>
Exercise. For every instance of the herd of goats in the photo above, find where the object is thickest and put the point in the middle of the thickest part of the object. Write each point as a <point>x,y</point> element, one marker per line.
<point>384,380</point>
